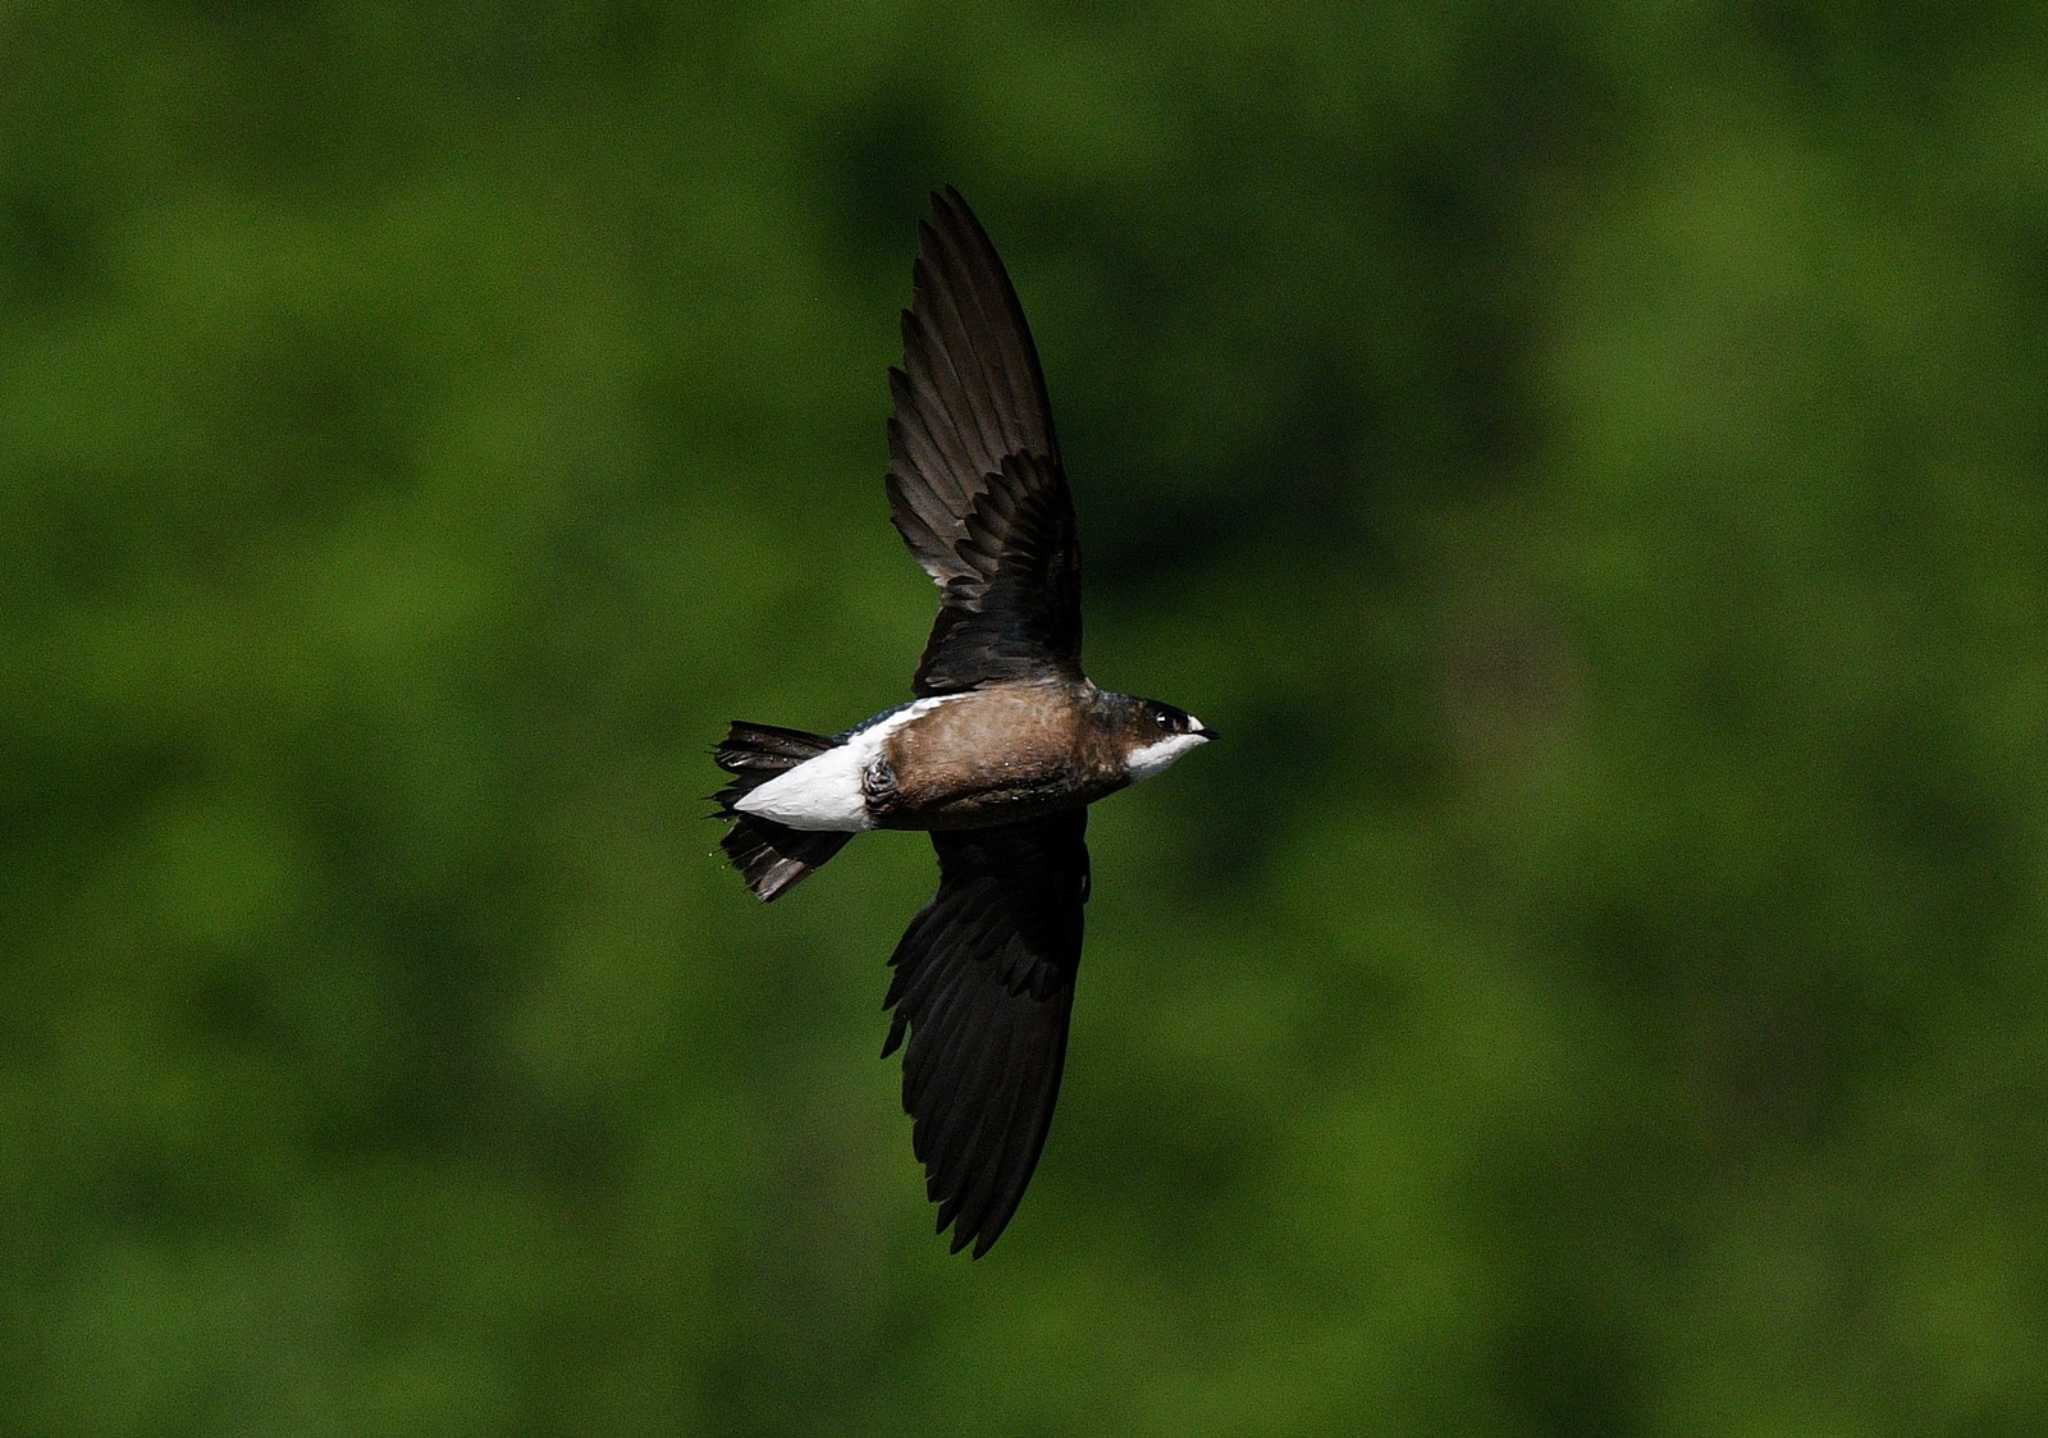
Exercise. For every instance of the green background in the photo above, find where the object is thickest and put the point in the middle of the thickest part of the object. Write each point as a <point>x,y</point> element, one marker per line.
<point>1588,463</point>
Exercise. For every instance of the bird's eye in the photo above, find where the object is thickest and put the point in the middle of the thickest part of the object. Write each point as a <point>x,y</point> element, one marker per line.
<point>1165,720</point>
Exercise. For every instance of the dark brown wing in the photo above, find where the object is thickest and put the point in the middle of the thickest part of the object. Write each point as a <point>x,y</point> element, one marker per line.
<point>975,483</point>
<point>984,984</point>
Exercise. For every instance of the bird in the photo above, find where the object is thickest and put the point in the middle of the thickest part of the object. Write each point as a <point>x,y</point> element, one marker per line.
<point>997,756</point>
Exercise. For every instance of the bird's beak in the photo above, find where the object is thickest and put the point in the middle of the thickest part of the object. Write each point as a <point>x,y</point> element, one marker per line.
<point>1203,731</point>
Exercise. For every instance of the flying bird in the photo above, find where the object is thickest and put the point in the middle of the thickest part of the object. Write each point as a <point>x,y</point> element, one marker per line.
<point>998,756</point>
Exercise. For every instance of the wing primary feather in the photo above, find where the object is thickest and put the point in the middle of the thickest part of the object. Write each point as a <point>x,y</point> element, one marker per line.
<point>926,978</point>
<point>1026,377</point>
<point>1022,1151</point>
<point>928,1063</point>
<point>984,332</point>
<point>948,1155</point>
<point>955,340</point>
<point>935,1044</point>
<point>915,441</point>
<point>927,369</point>
<point>971,1209</point>
<point>915,531</point>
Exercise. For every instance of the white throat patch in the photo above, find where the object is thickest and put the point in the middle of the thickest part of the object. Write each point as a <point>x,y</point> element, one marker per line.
<point>1153,758</point>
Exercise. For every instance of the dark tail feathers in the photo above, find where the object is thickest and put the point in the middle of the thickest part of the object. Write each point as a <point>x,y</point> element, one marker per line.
<point>771,857</point>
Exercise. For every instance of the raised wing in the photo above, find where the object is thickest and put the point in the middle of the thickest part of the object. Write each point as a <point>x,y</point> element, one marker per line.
<point>983,987</point>
<point>975,483</point>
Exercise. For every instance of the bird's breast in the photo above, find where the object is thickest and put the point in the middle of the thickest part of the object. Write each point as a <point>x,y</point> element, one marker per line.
<point>992,757</point>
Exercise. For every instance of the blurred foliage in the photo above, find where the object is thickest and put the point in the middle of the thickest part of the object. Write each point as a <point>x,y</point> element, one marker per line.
<point>1588,462</point>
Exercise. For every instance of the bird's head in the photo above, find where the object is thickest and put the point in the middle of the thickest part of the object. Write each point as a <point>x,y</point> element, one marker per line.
<point>1155,734</point>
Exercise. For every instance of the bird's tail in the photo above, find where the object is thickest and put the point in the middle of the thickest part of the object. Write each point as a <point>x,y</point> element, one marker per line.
<point>771,857</point>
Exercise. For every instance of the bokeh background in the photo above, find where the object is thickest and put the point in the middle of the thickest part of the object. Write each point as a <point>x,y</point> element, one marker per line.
<point>1589,464</point>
